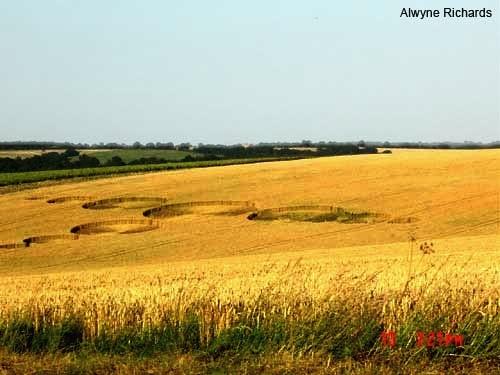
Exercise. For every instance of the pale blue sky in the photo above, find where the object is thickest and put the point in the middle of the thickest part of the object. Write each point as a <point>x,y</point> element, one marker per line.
<point>234,71</point>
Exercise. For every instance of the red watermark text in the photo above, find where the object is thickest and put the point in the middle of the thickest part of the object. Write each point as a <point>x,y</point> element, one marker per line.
<point>425,339</point>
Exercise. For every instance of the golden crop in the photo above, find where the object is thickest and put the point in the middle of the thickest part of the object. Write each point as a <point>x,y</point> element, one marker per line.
<point>209,258</point>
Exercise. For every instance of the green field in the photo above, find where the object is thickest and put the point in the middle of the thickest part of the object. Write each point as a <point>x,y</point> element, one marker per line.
<point>127,155</point>
<point>31,177</point>
<point>104,155</point>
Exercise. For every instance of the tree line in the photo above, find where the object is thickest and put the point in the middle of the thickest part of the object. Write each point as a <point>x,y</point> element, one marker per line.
<point>72,159</point>
<point>69,159</point>
<point>47,146</point>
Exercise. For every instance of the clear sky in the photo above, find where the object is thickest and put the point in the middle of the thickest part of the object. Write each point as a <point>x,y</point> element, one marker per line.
<point>228,71</point>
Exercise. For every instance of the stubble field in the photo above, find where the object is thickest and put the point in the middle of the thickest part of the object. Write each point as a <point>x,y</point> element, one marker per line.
<point>311,258</point>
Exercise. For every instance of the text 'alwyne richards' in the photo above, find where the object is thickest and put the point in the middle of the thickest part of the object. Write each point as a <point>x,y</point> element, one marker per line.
<point>446,13</point>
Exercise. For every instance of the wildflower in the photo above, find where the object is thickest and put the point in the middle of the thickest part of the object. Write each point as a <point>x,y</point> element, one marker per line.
<point>388,338</point>
<point>427,248</point>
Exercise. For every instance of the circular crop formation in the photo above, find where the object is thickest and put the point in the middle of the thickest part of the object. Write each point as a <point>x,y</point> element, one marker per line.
<point>48,238</point>
<point>121,226</point>
<point>124,202</point>
<point>306,213</point>
<point>36,197</point>
<point>69,199</point>
<point>9,246</point>
<point>208,207</point>
<point>27,242</point>
<point>403,220</point>
<point>317,214</point>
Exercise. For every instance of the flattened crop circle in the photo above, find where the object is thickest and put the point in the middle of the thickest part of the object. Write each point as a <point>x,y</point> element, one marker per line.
<point>48,238</point>
<point>120,226</point>
<point>124,202</point>
<point>176,209</point>
<point>9,246</point>
<point>316,214</point>
<point>69,199</point>
<point>403,220</point>
<point>36,197</point>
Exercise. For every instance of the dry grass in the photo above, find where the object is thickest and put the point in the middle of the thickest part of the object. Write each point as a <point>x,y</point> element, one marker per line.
<point>319,272</point>
<point>227,270</point>
<point>316,275</point>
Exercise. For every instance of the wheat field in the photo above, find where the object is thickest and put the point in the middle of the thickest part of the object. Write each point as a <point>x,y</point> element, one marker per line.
<point>201,269</point>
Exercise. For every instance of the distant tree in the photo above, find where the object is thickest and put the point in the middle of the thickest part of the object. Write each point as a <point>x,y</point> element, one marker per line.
<point>137,145</point>
<point>85,161</point>
<point>443,146</point>
<point>70,152</point>
<point>184,146</point>
<point>306,143</point>
<point>112,145</point>
<point>115,161</point>
<point>165,146</point>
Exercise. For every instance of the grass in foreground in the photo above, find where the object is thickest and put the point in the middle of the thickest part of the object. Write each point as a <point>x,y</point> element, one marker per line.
<point>294,310</point>
<point>281,363</point>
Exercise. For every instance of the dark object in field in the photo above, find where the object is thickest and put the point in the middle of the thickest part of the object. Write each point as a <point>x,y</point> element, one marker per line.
<point>252,216</point>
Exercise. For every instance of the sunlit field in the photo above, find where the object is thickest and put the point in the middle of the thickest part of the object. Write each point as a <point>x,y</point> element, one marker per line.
<point>310,260</point>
